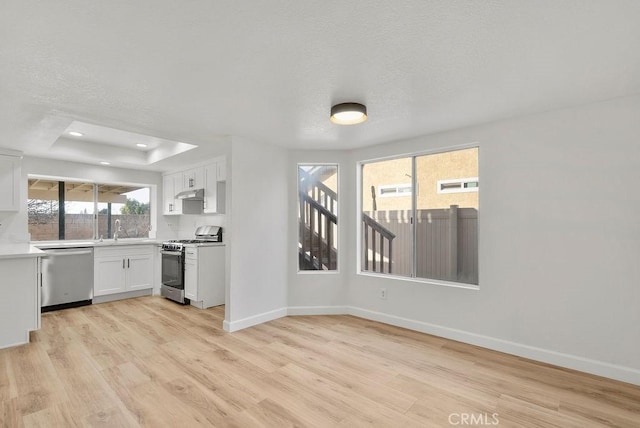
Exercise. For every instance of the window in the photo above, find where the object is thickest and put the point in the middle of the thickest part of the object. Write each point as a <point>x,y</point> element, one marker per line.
<point>69,210</point>
<point>318,217</point>
<point>395,190</point>
<point>433,234</point>
<point>458,185</point>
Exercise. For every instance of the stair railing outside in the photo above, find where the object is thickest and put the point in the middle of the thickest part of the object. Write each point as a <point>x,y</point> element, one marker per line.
<point>377,229</point>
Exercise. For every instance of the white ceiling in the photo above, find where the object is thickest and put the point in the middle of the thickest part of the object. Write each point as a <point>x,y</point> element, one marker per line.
<point>200,70</point>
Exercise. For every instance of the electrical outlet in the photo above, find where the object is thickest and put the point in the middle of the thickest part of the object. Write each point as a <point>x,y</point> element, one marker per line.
<point>383,293</point>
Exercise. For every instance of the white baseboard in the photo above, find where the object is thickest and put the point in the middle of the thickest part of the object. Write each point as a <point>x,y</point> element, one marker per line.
<point>119,296</point>
<point>18,343</point>
<point>600,368</point>
<point>317,310</point>
<point>254,320</point>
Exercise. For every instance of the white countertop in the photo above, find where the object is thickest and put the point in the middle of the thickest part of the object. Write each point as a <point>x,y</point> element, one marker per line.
<point>205,244</point>
<point>90,243</point>
<point>13,251</point>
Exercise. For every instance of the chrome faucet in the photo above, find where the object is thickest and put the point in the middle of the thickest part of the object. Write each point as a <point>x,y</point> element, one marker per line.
<point>115,235</point>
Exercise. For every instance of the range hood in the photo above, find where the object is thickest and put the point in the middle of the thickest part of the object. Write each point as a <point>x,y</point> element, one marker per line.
<point>191,195</point>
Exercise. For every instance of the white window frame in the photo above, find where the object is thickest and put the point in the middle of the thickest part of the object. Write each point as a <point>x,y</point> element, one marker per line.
<point>338,214</point>
<point>397,193</point>
<point>358,219</point>
<point>153,200</point>
<point>460,188</point>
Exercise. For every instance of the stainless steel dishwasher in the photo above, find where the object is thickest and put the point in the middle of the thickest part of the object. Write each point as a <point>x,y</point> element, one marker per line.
<point>67,278</point>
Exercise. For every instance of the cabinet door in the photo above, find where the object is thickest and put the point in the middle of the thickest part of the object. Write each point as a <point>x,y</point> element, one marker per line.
<point>222,170</point>
<point>210,188</point>
<point>139,271</point>
<point>167,195</point>
<point>109,275</point>
<point>9,183</point>
<point>171,185</point>
<point>177,203</point>
<point>193,179</point>
<point>191,279</point>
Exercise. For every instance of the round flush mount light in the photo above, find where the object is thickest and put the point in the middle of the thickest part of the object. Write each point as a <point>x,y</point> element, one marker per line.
<point>76,133</point>
<point>348,113</point>
<point>105,163</point>
<point>141,145</point>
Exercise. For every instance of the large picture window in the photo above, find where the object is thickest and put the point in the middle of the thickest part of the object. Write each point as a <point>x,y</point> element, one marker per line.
<point>432,231</point>
<point>318,217</point>
<point>71,210</point>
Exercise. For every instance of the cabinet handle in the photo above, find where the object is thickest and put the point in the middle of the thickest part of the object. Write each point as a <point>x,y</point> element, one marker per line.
<point>128,263</point>
<point>190,182</point>
<point>122,263</point>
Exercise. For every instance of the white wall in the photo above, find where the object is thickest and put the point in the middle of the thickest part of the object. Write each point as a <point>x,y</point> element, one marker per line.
<point>257,226</point>
<point>187,224</point>
<point>16,226</point>
<point>316,291</point>
<point>559,242</point>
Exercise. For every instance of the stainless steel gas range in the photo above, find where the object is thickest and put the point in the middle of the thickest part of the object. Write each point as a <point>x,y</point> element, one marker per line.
<point>173,261</point>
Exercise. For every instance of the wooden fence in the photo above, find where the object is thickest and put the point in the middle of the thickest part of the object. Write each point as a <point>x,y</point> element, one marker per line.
<point>80,226</point>
<point>446,244</point>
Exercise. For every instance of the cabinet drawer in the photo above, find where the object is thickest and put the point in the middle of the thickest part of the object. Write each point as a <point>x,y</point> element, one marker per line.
<point>191,254</point>
<point>123,250</point>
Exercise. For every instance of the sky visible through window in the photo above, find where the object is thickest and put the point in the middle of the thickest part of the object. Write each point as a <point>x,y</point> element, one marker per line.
<point>141,195</point>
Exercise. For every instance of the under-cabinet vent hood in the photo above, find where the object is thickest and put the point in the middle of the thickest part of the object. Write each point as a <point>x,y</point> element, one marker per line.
<point>191,195</point>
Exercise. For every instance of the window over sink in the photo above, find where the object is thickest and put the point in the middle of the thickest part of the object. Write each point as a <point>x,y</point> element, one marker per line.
<point>73,209</point>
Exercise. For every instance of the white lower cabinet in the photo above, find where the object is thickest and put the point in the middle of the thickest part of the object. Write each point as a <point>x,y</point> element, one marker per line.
<point>204,279</point>
<point>20,302</point>
<point>140,271</point>
<point>191,279</point>
<point>121,269</point>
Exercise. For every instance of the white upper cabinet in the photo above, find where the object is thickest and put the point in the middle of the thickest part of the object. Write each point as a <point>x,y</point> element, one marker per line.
<point>222,169</point>
<point>210,177</point>
<point>193,179</point>
<point>10,171</point>
<point>215,187</point>
<point>211,188</point>
<point>171,185</point>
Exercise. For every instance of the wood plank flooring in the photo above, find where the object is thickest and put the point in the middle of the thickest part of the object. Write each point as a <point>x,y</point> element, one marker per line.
<point>150,362</point>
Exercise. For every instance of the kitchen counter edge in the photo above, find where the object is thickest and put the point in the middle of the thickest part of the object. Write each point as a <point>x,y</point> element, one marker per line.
<point>15,251</point>
<point>96,244</point>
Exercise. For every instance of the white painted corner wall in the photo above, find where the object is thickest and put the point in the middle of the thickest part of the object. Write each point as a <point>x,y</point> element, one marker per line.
<point>309,288</point>
<point>259,223</point>
<point>559,243</point>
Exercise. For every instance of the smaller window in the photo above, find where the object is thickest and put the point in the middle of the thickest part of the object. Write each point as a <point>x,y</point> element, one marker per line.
<point>458,185</point>
<point>318,217</point>
<point>394,190</point>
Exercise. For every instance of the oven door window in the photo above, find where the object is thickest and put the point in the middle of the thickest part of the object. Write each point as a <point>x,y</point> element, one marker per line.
<point>172,270</point>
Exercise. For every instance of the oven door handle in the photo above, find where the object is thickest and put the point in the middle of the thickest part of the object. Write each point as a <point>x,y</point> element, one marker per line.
<point>171,253</point>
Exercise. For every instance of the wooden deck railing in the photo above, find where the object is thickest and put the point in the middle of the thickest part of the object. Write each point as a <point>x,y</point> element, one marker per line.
<point>375,229</point>
<point>317,233</point>
<point>320,192</point>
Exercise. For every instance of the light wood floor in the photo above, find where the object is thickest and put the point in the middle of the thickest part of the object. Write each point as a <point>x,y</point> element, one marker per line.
<point>150,362</point>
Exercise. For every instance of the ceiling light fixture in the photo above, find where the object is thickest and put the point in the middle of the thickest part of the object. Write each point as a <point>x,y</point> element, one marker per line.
<point>76,133</point>
<point>348,113</point>
<point>105,163</point>
<point>141,145</point>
